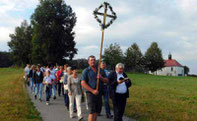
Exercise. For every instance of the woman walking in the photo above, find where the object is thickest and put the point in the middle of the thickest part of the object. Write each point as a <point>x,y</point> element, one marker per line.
<point>31,77</point>
<point>38,83</point>
<point>75,92</point>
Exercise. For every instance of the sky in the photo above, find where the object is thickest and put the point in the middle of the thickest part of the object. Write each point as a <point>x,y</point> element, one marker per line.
<point>170,23</point>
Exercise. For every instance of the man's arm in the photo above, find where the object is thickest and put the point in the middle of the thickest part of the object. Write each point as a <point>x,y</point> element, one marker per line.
<point>88,88</point>
<point>103,77</point>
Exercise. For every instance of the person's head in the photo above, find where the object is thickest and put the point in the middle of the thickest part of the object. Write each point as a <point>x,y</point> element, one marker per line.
<point>65,67</point>
<point>69,70</point>
<point>57,67</point>
<point>103,65</point>
<point>91,61</point>
<point>28,65</point>
<point>51,67</point>
<point>32,67</point>
<point>120,68</point>
<point>48,73</point>
<point>38,68</point>
<point>61,68</point>
<point>74,70</point>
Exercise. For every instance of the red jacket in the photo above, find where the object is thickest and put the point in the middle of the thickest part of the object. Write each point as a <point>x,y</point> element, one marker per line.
<point>59,74</point>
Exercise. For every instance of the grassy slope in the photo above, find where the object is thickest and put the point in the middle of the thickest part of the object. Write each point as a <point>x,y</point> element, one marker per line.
<point>15,104</point>
<point>162,98</point>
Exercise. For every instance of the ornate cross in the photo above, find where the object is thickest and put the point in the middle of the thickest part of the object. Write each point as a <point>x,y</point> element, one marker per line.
<point>103,25</point>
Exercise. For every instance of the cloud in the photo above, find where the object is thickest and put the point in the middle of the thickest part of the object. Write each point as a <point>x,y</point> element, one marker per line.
<point>12,13</point>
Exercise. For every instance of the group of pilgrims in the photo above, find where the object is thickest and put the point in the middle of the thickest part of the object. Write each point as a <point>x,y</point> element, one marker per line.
<point>69,84</point>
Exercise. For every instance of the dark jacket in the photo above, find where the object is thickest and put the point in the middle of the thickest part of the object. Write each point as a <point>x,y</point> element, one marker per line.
<point>37,78</point>
<point>113,84</point>
<point>32,74</point>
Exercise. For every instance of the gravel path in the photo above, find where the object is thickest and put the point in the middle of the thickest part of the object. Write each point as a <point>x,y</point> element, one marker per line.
<point>56,111</point>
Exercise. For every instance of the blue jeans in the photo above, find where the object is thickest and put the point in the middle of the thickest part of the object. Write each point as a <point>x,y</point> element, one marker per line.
<point>66,98</point>
<point>105,94</point>
<point>32,85</point>
<point>39,87</point>
<point>53,90</point>
<point>48,92</point>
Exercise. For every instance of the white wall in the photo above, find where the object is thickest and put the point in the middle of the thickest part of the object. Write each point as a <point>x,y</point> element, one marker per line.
<point>170,71</point>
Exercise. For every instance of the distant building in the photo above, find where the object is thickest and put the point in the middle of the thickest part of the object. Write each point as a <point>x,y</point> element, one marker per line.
<point>172,68</point>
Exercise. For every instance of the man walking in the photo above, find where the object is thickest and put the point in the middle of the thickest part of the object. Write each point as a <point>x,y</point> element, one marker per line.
<point>119,92</point>
<point>105,92</point>
<point>88,82</point>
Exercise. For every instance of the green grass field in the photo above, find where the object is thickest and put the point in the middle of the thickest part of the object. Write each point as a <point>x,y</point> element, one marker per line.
<point>162,98</point>
<point>15,105</point>
<point>152,98</point>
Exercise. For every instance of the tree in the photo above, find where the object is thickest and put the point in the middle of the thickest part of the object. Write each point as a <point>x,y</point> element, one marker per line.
<point>53,36</point>
<point>153,58</point>
<point>5,59</point>
<point>186,70</point>
<point>20,44</point>
<point>133,58</point>
<point>113,55</point>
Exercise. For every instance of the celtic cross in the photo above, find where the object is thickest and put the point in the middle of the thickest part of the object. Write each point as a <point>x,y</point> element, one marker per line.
<point>103,25</point>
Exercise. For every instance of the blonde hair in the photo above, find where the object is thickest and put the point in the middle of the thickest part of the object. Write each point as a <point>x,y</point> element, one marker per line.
<point>32,67</point>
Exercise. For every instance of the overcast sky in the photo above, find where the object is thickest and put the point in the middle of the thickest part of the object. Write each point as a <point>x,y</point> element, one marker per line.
<point>171,23</point>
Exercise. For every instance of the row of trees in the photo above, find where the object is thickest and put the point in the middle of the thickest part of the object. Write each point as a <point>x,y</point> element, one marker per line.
<point>5,59</point>
<point>49,38</point>
<point>133,58</point>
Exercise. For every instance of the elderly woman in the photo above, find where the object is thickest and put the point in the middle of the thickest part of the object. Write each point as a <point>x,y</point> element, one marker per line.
<point>75,92</point>
<point>119,92</point>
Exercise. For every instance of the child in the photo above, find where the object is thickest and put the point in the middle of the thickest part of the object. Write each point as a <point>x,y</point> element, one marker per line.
<point>47,82</point>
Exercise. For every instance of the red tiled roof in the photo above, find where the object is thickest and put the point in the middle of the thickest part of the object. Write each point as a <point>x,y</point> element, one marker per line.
<point>172,62</point>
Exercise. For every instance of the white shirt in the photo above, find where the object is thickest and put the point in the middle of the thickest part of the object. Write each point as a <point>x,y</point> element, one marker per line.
<point>47,79</point>
<point>121,88</point>
<point>65,73</point>
<point>27,70</point>
<point>52,73</point>
<point>38,73</point>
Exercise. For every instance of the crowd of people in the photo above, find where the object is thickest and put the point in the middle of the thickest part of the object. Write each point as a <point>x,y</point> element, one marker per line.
<point>67,82</point>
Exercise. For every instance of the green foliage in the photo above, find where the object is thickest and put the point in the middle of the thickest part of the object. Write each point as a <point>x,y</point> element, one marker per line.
<point>133,58</point>
<point>20,44</point>
<point>153,58</point>
<point>186,70</point>
<point>113,55</point>
<point>5,59</point>
<point>53,36</point>
<point>50,37</point>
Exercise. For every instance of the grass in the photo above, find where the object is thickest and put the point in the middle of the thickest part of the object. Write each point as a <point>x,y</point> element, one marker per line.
<point>162,98</point>
<point>15,104</point>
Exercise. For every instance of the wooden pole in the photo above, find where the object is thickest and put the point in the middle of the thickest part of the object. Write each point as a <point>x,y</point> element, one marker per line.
<point>101,48</point>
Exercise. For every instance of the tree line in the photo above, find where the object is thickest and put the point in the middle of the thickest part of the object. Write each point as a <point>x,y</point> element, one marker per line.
<point>133,58</point>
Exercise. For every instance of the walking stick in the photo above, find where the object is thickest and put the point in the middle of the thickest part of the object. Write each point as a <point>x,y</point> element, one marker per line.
<point>103,26</point>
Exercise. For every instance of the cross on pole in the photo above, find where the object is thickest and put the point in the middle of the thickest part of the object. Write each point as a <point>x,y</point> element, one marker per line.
<point>103,25</point>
